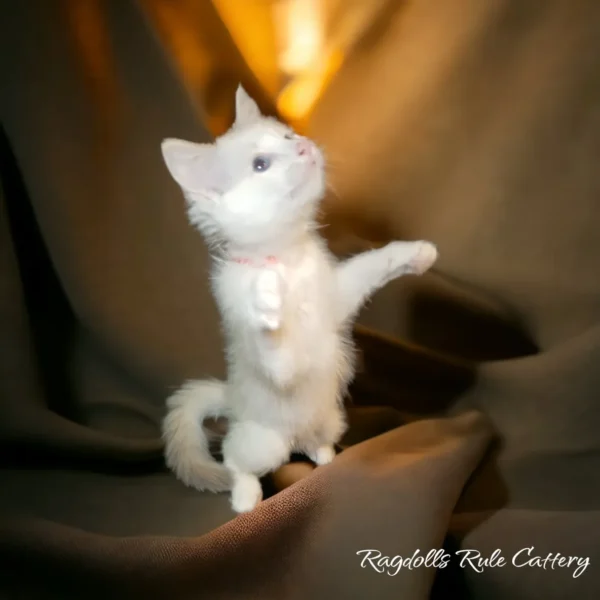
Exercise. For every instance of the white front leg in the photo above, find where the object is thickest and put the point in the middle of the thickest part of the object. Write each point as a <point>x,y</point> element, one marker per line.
<point>362,275</point>
<point>267,303</point>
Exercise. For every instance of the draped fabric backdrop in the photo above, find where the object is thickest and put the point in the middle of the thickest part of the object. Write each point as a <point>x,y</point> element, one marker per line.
<point>475,415</point>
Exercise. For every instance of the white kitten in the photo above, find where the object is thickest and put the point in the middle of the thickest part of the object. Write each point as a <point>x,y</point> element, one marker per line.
<point>285,303</point>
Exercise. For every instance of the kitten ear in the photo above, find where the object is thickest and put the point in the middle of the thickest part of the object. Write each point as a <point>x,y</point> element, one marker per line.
<point>246,109</point>
<point>193,166</point>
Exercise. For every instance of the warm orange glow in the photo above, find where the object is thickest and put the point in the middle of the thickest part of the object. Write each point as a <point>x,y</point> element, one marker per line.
<point>297,99</point>
<point>207,54</point>
<point>315,37</point>
<point>300,30</point>
<point>90,33</point>
<point>292,48</point>
<point>303,56</point>
<point>250,24</point>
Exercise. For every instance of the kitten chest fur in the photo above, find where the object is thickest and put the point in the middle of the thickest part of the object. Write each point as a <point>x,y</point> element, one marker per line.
<point>299,369</point>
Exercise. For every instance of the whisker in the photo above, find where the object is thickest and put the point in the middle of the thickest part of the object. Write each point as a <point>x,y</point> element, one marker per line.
<point>330,160</point>
<point>332,189</point>
<point>331,166</point>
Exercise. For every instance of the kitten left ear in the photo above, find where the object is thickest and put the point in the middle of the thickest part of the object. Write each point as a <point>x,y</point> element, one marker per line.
<point>195,167</point>
<point>246,109</point>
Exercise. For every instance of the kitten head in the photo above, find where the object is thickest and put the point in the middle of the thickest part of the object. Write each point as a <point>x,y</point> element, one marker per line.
<point>257,185</point>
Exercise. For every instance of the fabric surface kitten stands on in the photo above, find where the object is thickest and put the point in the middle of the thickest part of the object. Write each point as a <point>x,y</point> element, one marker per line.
<point>286,304</point>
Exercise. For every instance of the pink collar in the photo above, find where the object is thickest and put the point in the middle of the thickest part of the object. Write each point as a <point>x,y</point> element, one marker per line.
<point>270,260</point>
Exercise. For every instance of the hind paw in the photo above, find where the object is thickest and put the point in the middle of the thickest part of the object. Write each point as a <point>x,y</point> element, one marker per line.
<point>246,493</point>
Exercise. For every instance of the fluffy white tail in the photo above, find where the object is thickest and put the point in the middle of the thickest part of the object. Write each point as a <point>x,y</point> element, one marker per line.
<point>187,442</point>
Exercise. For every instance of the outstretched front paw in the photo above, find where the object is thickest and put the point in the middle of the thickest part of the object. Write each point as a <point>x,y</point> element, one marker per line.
<point>425,256</point>
<point>408,258</point>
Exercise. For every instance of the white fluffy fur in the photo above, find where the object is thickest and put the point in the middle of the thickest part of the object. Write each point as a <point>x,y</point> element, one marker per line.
<point>286,320</point>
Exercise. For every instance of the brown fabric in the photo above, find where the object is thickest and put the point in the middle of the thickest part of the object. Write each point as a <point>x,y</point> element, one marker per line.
<point>486,139</point>
<point>471,124</point>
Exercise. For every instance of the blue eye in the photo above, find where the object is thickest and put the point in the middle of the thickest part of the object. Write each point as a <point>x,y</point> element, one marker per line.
<point>261,164</point>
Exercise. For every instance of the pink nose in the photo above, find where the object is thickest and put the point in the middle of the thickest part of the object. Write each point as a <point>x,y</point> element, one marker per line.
<point>304,148</point>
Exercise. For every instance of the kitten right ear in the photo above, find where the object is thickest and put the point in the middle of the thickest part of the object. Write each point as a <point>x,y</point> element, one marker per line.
<point>246,109</point>
<point>193,166</point>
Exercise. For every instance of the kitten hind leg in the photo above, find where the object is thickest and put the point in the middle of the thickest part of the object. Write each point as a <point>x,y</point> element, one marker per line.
<point>323,455</point>
<point>320,448</point>
<point>246,492</point>
<point>251,450</point>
